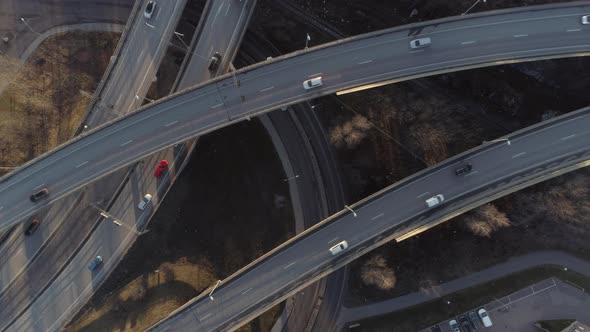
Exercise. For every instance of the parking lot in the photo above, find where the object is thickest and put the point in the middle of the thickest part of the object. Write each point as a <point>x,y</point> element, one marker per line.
<point>548,299</point>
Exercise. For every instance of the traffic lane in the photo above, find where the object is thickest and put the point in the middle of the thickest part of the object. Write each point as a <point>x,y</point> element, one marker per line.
<point>414,206</point>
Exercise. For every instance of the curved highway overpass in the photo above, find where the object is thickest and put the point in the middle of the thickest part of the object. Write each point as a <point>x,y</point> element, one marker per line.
<point>457,43</point>
<point>534,154</point>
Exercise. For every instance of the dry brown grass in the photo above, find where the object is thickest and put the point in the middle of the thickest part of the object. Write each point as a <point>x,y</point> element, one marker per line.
<point>485,220</point>
<point>41,105</point>
<point>375,272</point>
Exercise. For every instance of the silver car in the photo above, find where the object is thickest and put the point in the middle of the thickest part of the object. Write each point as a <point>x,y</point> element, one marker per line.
<point>313,83</point>
<point>586,19</point>
<point>420,42</point>
<point>435,200</point>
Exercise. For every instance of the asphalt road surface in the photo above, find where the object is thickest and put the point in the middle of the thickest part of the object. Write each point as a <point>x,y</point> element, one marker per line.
<point>457,43</point>
<point>394,210</point>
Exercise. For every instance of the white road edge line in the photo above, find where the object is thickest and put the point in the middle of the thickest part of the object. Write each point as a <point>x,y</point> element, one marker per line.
<point>424,194</point>
<point>246,291</point>
<point>378,216</point>
<point>218,105</point>
<point>518,155</point>
<point>171,123</point>
<point>288,265</point>
<point>82,164</point>
<point>266,89</point>
<point>129,141</point>
<point>568,137</point>
<point>468,42</point>
<point>519,36</point>
<point>364,62</point>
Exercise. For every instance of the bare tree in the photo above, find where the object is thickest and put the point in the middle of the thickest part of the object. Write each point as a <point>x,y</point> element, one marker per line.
<point>485,220</point>
<point>375,272</point>
<point>351,133</point>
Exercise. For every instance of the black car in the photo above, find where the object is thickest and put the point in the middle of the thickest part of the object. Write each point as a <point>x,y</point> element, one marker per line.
<point>463,169</point>
<point>435,328</point>
<point>215,60</point>
<point>37,195</point>
<point>474,319</point>
<point>32,227</point>
<point>464,322</point>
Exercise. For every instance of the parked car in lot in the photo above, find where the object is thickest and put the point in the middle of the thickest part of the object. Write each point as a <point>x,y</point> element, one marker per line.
<point>32,227</point>
<point>149,9</point>
<point>215,60</point>
<point>435,328</point>
<point>37,195</point>
<point>339,248</point>
<point>95,263</point>
<point>465,323</point>
<point>435,200</point>
<point>474,319</point>
<point>145,201</point>
<point>161,167</point>
<point>454,326</point>
<point>485,319</point>
<point>586,19</point>
<point>312,83</point>
<point>420,42</point>
<point>463,169</point>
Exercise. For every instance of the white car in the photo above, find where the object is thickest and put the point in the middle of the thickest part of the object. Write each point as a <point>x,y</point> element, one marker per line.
<point>339,248</point>
<point>420,42</point>
<point>485,319</point>
<point>454,326</point>
<point>149,9</point>
<point>586,19</point>
<point>435,200</point>
<point>312,83</point>
<point>145,201</point>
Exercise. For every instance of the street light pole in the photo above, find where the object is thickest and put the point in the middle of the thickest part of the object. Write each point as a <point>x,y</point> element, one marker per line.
<point>468,9</point>
<point>498,140</point>
<point>116,221</point>
<point>217,284</point>
<point>307,39</point>
<point>28,26</point>
<point>291,178</point>
<point>179,35</point>
<point>351,210</point>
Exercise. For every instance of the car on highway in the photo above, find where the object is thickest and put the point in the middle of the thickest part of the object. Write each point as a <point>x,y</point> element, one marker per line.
<point>144,201</point>
<point>420,42</point>
<point>435,200</point>
<point>149,9</point>
<point>463,169</point>
<point>485,319</point>
<point>454,326</point>
<point>339,248</point>
<point>312,83</point>
<point>586,19</point>
<point>161,167</point>
<point>32,227</point>
<point>95,263</point>
<point>465,323</point>
<point>215,61</point>
<point>37,195</point>
<point>474,319</point>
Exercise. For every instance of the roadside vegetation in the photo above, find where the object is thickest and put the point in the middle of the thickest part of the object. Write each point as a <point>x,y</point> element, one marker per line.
<point>42,101</point>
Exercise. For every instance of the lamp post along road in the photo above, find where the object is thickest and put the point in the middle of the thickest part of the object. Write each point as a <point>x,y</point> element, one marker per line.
<point>210,293</point>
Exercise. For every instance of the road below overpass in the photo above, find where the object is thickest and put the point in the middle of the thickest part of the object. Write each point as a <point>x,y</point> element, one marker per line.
<point>457,43</point>
<point>395,212</point>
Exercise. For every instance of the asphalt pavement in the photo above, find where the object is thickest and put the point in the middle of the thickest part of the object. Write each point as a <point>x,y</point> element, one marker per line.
<point>461,43</point>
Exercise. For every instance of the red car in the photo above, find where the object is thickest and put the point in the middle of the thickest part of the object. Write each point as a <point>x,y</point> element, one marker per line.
<point>163,165</point>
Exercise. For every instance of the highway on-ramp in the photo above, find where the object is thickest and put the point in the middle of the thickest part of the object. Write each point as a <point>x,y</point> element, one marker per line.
<point>459,43</point>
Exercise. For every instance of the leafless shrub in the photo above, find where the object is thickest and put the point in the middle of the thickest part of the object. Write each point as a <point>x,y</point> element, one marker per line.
<point>485,220</point>
<point>433,142</point>
<point>375,272</point>
<point>351,133</point>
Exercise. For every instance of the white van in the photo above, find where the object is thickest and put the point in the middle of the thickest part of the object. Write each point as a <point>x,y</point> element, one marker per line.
<point>435,200</point>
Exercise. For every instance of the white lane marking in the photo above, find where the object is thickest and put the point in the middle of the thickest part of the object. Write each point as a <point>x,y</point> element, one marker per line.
<point>218,105</point>
<point>171,123</point>
<point>1,208</point>
<point>215,17</point>
<point>573,30</point>
<point>227,10</point>
<point>424,194</point>
<point>518,155</point>
<point>129,141</point>
<point>246,291</point>
<point>519,36</point>
<point>378,216</point>
<point>149,25</point>
<point>119,99</point>
<point>568,137</point>
<point>141,54</point>
<point>40,186</point>
<point>266,89</point>
<point>474,172</point>
<point>158,14</point>
<point>417,51</point>
<point>205,317</point>
<point>365,62</point>
<point>468,42</point>
<point>334,239</point>
<point>82,164</point>
<point>288,265</point>
<point>314,75</point>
